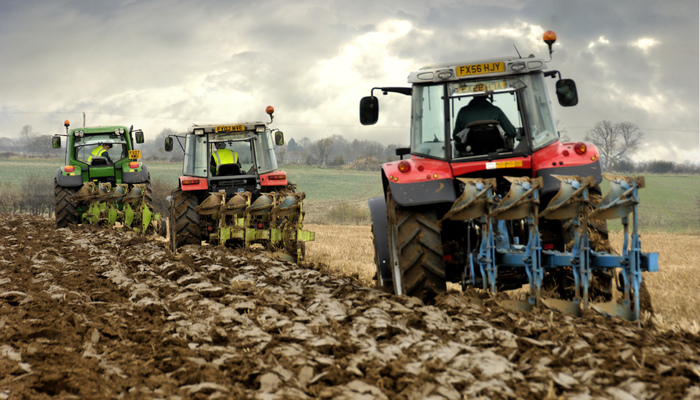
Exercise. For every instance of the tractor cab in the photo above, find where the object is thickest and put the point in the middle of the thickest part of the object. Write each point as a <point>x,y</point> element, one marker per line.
<point>482,110</point>
<point>236,158</point>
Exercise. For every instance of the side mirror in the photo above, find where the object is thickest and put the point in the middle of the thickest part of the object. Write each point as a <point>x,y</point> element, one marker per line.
<point>402,151</point>
<point>56,142</point>
<point>279,138</point>
<point>169,144</point>
<point>369,110</point>
<point>566,92</point>
<point>139,135</point>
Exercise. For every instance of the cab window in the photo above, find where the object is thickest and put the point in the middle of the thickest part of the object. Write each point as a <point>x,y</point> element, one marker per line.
<point>428,125</point>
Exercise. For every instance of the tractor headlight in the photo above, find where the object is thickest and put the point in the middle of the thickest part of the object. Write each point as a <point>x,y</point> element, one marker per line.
<point>199,132</point>
<point>260,128</point>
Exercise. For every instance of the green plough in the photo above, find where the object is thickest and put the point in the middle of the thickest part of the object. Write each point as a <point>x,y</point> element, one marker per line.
<point>122,206</point>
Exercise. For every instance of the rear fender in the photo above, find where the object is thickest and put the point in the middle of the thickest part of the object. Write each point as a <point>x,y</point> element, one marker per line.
<point>276,178</point>
<point>426,181</point>
<point>561,159</point>
<point>69,179</point>
<point>135,175</point>
<point>191,183</point>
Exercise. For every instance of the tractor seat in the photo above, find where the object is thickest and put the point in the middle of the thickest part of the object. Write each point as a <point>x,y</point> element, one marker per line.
<point>98,161</point>
<point>484,137</point>
<point>229,169</point>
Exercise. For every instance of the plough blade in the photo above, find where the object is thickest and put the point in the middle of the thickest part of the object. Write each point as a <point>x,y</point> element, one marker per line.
<point>615,310</point>
<point>565,306</point>
<point>621,200</point>
<point>566,204</point>
<point>475,200</point>
<point>517,204</point>
<point>211,204</point>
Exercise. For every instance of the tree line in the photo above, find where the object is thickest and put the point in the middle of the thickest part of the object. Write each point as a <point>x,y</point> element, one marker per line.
<point>616,143</point>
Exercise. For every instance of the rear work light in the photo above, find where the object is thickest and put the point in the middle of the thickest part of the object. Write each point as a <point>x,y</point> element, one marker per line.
<point>404,166</point>
<point>580,148</point>
<point>133,164</point>
<point>69,168</point>
<point>190,182</point>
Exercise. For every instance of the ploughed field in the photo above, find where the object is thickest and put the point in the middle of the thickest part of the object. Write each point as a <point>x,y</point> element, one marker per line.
<point>94,313</point>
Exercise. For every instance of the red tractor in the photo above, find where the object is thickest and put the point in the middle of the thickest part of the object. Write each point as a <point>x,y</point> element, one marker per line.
<point>485,161</point>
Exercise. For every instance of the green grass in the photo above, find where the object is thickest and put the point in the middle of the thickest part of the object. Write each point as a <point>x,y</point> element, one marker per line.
<point>668,203</point>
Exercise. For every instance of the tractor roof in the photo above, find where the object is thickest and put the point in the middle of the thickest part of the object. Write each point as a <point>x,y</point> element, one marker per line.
<point>256,126</point>
<point>469,69</point>
<point>101,129</point>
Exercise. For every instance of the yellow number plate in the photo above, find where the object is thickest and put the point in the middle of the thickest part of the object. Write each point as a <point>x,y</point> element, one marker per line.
<point>478,69</point>
<point>134,154</point>
<point>229,128</point>
<point>504,164</point>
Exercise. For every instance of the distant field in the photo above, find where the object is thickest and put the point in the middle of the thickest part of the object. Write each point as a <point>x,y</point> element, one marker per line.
<point>669,203</point>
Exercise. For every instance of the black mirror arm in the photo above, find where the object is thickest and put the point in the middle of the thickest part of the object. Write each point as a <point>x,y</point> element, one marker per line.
<point>385,90</point>
<point>552,74</point>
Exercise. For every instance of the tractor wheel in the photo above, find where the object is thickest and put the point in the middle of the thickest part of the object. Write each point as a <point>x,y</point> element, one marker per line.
<point>66,209</point>
<point>184,220</point>
<point>415,251</point>
<point>382,282</point>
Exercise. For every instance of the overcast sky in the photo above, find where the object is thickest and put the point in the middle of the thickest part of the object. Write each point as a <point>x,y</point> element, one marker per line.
<point>161,64</point>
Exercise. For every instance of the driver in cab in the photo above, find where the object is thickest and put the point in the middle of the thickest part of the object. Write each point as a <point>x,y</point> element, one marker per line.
<point>222,157</point>
<point>101,151</point>
<point>479,109</point>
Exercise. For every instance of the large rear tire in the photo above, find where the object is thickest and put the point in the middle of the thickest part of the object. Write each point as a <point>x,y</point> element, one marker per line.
<point>184,220</point>
<point>415,251</point>
<point>66,209</point>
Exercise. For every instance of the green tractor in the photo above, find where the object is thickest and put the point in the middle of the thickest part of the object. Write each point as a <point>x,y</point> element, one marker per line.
<point>103,182</point>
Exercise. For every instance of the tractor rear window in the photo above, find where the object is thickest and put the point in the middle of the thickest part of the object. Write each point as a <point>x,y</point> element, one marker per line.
<point>100,149</point>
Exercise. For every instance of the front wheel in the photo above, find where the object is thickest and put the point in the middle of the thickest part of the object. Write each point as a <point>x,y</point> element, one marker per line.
<point>415,251</point>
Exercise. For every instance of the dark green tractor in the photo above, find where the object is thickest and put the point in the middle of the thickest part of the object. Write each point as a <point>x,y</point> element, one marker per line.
<point>103,181</point>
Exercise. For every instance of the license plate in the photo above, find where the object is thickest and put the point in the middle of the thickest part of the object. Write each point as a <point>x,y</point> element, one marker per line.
<point>504,164</point>
<point>229,128</point>
<point>134,154</point>
<point>478,69</point>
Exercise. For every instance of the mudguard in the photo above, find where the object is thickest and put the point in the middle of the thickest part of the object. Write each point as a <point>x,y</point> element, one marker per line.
<point>67,180</point>
<point>425,192</point>
<point>140,175</point>
<point>561,159</point>
<point>422,181</point>
<point>377,211</point>
<point>551,184</point>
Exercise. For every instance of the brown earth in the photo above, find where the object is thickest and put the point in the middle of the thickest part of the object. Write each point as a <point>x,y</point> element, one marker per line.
<point>96,314</point>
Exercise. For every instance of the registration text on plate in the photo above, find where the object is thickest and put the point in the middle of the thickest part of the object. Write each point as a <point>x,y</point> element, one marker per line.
<point>477,69</point>
<point>229,128</point>
<point>504,164</point>
<point>134,154</point>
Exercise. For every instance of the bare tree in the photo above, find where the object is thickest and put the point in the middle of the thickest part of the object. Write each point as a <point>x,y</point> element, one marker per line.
<point>27,134</point>
<point>322,149</point>
<point>615,142</point>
